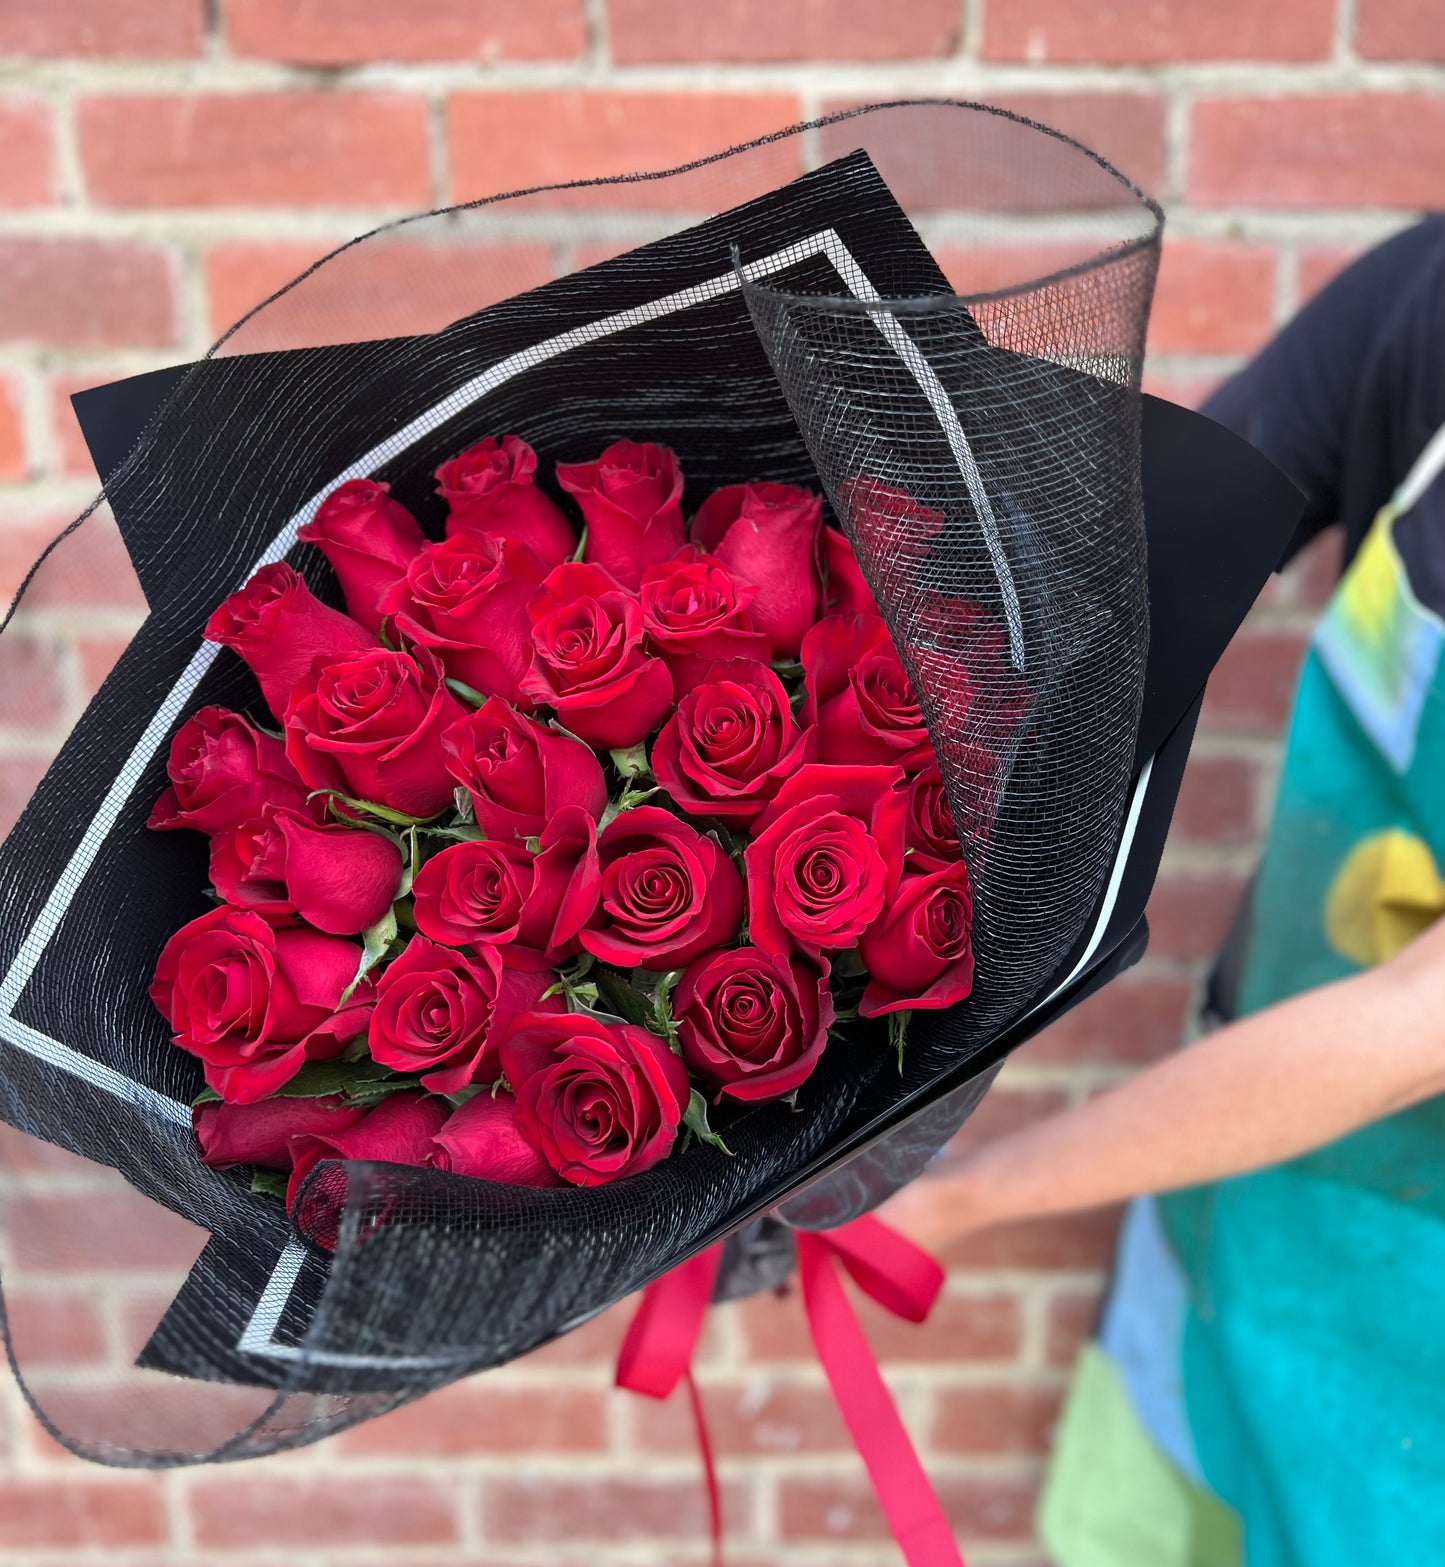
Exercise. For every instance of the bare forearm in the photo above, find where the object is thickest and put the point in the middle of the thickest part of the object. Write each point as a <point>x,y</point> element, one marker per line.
<point>1266,1089</point>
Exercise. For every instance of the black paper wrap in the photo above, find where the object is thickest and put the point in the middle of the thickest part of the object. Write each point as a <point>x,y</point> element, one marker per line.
<point>933,311</point>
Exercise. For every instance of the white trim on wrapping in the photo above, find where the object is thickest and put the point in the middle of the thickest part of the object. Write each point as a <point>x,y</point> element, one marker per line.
<point>257,1338</point>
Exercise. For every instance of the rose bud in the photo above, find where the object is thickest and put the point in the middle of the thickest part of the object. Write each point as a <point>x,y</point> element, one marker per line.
<point>466,599</point>
<point>631,500</point>
<point>519,772</point>
<point>400,1130</point>
<point>751,1025</point>
<point>371,726</point>
<point>483,1140</point>
<point>600,1100</point>
<point>883,511</point>
<point>441,1014</point>
<point>930,830</point>
<point>339,879</point>
<point>369,539</point>
<point>825,857</point>
<point>847,591</point>
<point>732,741</point>
<point>859,696</point>
<point>222,771</point>
<point>472,893</point>
<point>919,955</point>
<point>492,488</point>
<point>767,535</point>
<point>256,1003</point>
<point>566,884</point>
<point>261,1133</point>
<point>588,660</point>
<point>694,612</point>
<point>668,893</point>
<point>283,630</point>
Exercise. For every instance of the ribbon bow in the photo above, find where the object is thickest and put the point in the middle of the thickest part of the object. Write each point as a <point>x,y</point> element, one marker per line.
<point>657,1354</point>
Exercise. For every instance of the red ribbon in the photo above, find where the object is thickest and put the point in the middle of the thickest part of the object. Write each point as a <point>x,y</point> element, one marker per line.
<point>657,1354</point>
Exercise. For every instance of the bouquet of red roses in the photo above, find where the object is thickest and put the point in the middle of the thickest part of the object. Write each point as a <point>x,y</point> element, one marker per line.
<point>565,837</point>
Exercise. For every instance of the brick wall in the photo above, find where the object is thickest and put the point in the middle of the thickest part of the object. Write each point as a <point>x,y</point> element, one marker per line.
<point>165,163</point>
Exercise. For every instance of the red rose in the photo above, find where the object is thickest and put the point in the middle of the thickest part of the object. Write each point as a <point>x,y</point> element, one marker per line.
<point>223,771</point>
<point>732,741</point>
<point>466,599</point>
<point>261,1133</point>
<point>371,727</point>
<point>339,879</point>
<point>694,612</point>
<point>440,1013</point>
<point>492,488</point>
<point>566,884</point>
<point>599,1099</point>
<point>283,630</point>
<point>903,531</point>
<point>400,1130</point>
<point>472,893</point>
<point>631,500</point>
<point>668,893</point>
<point>826,857</point>
<point>847,592</point>
<point>930,830</point>
<point>588,659</point>
<point>920,953</point>
<point>369,540</point>
<point>767,534</point>
<point>519,772</point>
<point>483,1140</point>
<point>752,1025</point>
<point>859,696</point>
<point>256,1003</point>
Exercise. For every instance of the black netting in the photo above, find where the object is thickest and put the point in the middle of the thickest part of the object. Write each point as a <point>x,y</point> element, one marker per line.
<point>933,311</point>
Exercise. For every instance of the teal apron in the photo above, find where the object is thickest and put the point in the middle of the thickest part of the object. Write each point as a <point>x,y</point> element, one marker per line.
<point>1303,1307</point>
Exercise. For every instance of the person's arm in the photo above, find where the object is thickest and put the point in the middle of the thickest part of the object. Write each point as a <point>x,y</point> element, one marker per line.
<point>1273,1086</point>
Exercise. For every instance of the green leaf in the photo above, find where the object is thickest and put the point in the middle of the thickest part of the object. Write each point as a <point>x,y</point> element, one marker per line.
<point>622,997</point>
<point>382,813</point>
<point>207,1096</point>
<point>787,669</point>
<point>411,864</point>
<point>462,800</point>
<point>625,802</point>
<point>632,763</point>
<point>695,1120</point>
<point>375,939</point>
<point>469,694</point>
<point>848,965</point>
<point>362,1082</point>
<point>581,549</point>
<point>532,845</point>
<point>270,1183</point>
<point>898,1033</point>
<point>468,833</point>
<point>662,1009</point>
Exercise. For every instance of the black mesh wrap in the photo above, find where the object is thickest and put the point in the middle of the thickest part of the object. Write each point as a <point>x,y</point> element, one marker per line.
<point>935,312</point>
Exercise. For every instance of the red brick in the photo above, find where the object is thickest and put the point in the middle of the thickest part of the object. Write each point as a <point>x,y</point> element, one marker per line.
<point>996,1420</point>
<point>1003,1110</point>
<point>960,1327</point>
<point>644,32</point>
<point>52,1514</point>
<point>763,1417</point>
<point>922,161</point>
<point>988,268</point>
<point>1076,1240</point>
<point>1134,1019</point>
<point>1189,391</point>
<point>1400,30</point>
<point>29,694</point>
<point>48,1326</point>
<point>158,29</point>
<point>12,433</point>
<point>1156,32</point>
<point>256,149</point>
<point>384,288</point>
<point>595,1343</point>
<point>538,1509</point>
<point>1189,915</point>
<point>828,1509</point>
<point>363,32</point>
<point>98,656</point>
<point>1213,298</point>
<point>27,170</point>
<point>502,141</point>
<point>1317,267</point>
<point>475,1417</point>
<point>98,1229</point>
<point>90,567</point>
<point>19,776</point>
<point>1314,573</point>
<point>1366,150</point>
<point>1217,801</point>
<point>72,455</point>
<point>246,1512</point>
<point>1253,684</point>
<point>85,293</point>
<point>1073,1317</point>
